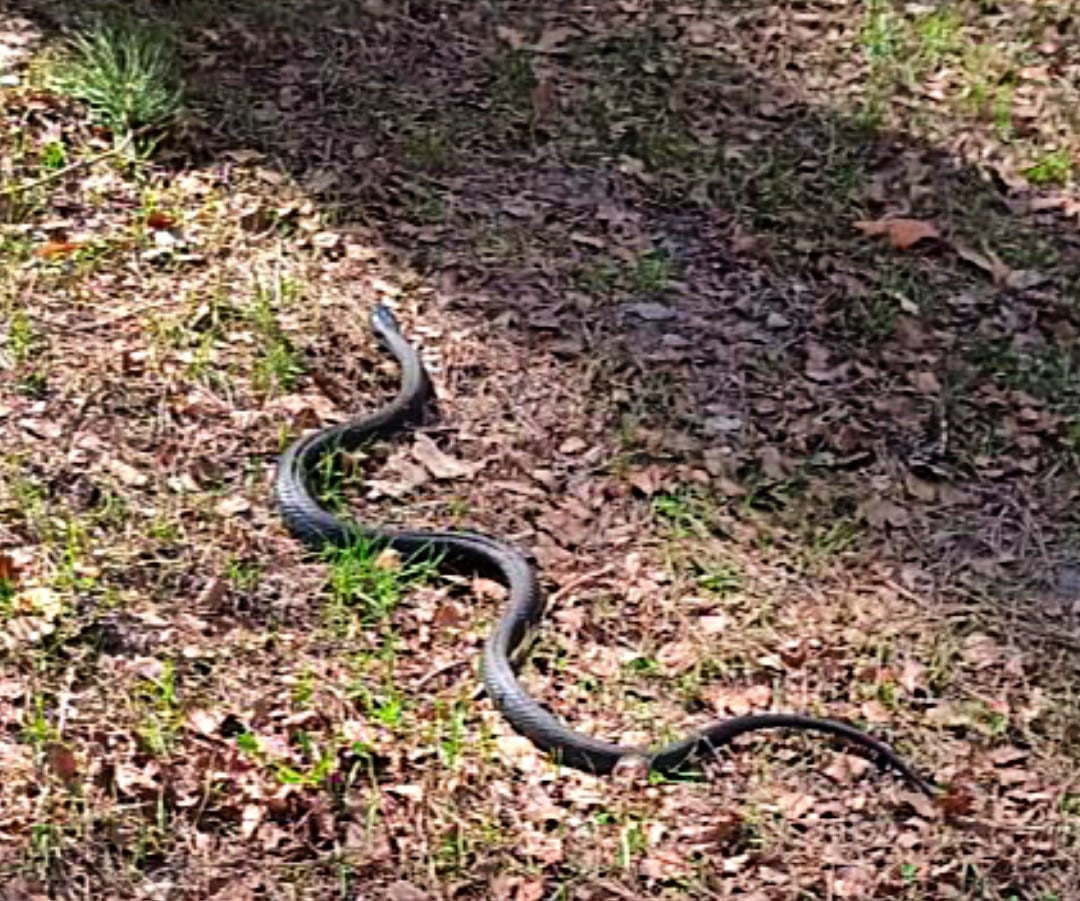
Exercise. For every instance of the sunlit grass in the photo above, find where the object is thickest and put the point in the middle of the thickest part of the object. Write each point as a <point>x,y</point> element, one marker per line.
<point>125,75</point>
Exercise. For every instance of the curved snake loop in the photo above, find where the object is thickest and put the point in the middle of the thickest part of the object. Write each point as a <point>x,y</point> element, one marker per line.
<point>318,529</point>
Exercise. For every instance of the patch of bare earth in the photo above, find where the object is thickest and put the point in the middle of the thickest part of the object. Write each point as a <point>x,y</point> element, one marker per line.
<point>766,458</point>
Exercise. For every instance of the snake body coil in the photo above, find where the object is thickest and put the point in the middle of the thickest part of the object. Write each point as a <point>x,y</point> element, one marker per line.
<point>318,529</point>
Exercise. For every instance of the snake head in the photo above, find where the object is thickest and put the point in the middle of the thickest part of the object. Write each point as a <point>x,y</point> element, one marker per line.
<point>383,320</point>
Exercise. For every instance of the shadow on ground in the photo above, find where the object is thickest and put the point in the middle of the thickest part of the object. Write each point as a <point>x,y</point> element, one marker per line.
<point>618,192</point>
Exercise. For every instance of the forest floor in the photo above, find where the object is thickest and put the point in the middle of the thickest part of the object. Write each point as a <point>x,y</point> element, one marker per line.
<point>755,323</point>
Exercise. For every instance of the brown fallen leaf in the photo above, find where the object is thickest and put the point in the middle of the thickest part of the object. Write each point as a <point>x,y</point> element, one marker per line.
<point>981,651</point>
<point>714,624</point>
<point>573,445</point>
<point>920,803</point>
<point>405,891</point>
<point>325,240</point>
<point>553,40</point>
<point>773,463</point>
<point>758,696</point>
<point>232,506</point>
<point>1010,776</point>
<point>677,656</point>
<point>958,801</point>
<point>42,428</point>
<point>847,768</point>
<point>1000,272</point>
<point>701,33</point>
<point>532,890</point>
<point>127,473</point>
<point>903,234</point>
<point>875,712</point>
<point>911,676</point>
<point>738,701</point>
<point>579,237</point>
<point>880,512</point>
<point>920,488</point>
<point>9,571</point>
<point>1024,279</point>
<point>926,383</point>
<point>525,489</point>
<point>512,36</point>
<point>542,847</point>
<point>987,262</point>
<point>440,464</point>
<point>651,311</point>
<point>23,631</point>
<point>61,760</point>
<point>135,782</point>
<point>569,526</point>
<point>212,592</point>
<point>1007,755</point>
<point>400,476</point>
<point>57,249</point>
<point>519,207</point>
<point>853,883</point>
<point>950,714</point>
<point>488,589</point>
<point>39,600</point>
<point>538,806</point>
<point>388,559</point>
<point>519,752</point>
<point>250,819</point>
<point>796,805</point>
<point>160,221</point>
<point>545,100</point>
<point>723,828</point>
<point>663,863</point>
<point>205,722</point>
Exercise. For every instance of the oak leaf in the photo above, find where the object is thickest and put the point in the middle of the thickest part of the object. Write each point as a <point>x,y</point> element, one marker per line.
<point>439,464</point>
<point>903,234</point>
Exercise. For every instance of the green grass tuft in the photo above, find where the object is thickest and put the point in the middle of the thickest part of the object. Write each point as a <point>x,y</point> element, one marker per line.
<point>278,365</point>
<point>126,76</point>
<point>1055,168</point>
<point>368,583</point>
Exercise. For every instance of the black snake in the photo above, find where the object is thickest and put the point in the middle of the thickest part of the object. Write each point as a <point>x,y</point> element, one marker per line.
<point>318,529</point>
